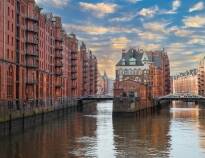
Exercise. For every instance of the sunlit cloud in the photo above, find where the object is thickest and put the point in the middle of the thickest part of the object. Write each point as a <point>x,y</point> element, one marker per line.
<point>148,12</point>
<point>156,26</point>
<point>194,21</point>
<point>150,36</point>
<point>197,7</point>
<point>98,30</point>
<point>120,42</point>
<point>180,32</point>
<point>198,41</point>
<point>99,9</point>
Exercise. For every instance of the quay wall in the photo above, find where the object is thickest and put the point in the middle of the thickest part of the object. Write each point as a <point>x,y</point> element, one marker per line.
<point>131,105</point>
<point>17,120</point>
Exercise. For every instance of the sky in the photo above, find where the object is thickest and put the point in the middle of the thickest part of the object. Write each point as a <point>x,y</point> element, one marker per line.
<point>108,26</point>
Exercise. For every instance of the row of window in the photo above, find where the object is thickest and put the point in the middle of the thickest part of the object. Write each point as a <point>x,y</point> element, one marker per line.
<point>132,72</point>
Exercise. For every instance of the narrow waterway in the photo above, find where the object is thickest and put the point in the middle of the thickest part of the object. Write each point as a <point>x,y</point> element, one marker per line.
<point>93,132</point>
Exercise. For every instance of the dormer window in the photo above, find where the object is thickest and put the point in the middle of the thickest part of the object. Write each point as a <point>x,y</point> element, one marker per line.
<point>123,61</point>
<point>145,58</point>
<point>132,61</point>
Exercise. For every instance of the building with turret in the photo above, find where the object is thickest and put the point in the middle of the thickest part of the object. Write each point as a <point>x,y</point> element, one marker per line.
<point>146,74</point>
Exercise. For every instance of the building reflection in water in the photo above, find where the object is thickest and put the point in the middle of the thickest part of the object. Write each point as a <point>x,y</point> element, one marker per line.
<point>142,137</point>
<point>93,132</point>
<point>56,139</point>
<point>186,130</point>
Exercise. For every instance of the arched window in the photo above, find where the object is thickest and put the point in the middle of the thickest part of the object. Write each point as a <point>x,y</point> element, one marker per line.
<point>10,82</point>
<point>130,71</point>
<point>135,71</point>
<point>126,72</point>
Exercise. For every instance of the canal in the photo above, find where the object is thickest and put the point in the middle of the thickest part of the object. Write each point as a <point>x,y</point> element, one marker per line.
<point>93,132</point>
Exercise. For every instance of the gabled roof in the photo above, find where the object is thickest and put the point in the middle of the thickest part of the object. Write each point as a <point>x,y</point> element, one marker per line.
<point>132,53</point>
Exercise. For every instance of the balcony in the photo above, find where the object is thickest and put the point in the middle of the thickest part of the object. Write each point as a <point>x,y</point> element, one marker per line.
<point>73,57</point>
<point>32,29</point>
<point>73,71</point>
<point>59,55</point>
<point>32,18</point>
<point>58,72</point>
<point>32,65</point>
<point>59,48</point>
<point>73,77</point>
<point>73,87</point>
<point>31,82</point>
<point>59,39</point>
<point>59,85</point>
<point>32,41</point>
<point>59,64</point>
<point>34,54</point>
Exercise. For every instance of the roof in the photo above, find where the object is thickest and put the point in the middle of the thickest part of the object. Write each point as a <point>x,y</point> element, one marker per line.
<point>132,53</point>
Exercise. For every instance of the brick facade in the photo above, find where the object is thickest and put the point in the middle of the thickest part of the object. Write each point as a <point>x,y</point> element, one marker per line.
<point>186,82</point>
<point>201,77</point>
<point>147,74</point>
<point>39,62</point>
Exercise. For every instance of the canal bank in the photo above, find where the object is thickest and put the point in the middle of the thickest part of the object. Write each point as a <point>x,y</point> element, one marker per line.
<point>18,120</point>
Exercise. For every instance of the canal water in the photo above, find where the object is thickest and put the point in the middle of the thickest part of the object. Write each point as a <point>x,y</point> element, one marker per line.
<point>177,132</point>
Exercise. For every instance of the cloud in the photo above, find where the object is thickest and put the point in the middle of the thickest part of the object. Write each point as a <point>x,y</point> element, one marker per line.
<point>54,3</point>
<point>99,9</point>
<point>180,31</point>
<point>150,46</point>
<point>156,26</point>
<point>194,21</point>
<point>97,30</point>
<point>134,1</point>
<point>197,7</point>
<point>197,41</point>
<point>147,35</point>
<point>120,42</point>
<point>104,64</point>
<point>148,12</point>
<point>125,18</point>
<point>176,4</point>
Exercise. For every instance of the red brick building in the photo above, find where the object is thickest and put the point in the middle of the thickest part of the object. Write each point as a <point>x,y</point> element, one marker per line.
<point>39,63</point>
<point>201,77</point>
<point>146,74</point>
<point>186,82</point>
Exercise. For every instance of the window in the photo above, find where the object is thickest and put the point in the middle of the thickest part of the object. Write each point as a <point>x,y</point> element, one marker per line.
<point>10,84</point>
<point>8,11</point>
<point>8,25</point>
<point>7,39</point>
<point>8,53</point>
<point>132,61</point>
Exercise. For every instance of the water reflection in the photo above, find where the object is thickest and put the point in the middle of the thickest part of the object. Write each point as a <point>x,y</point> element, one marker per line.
<point>142,137</point>
<point>93,132</point>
